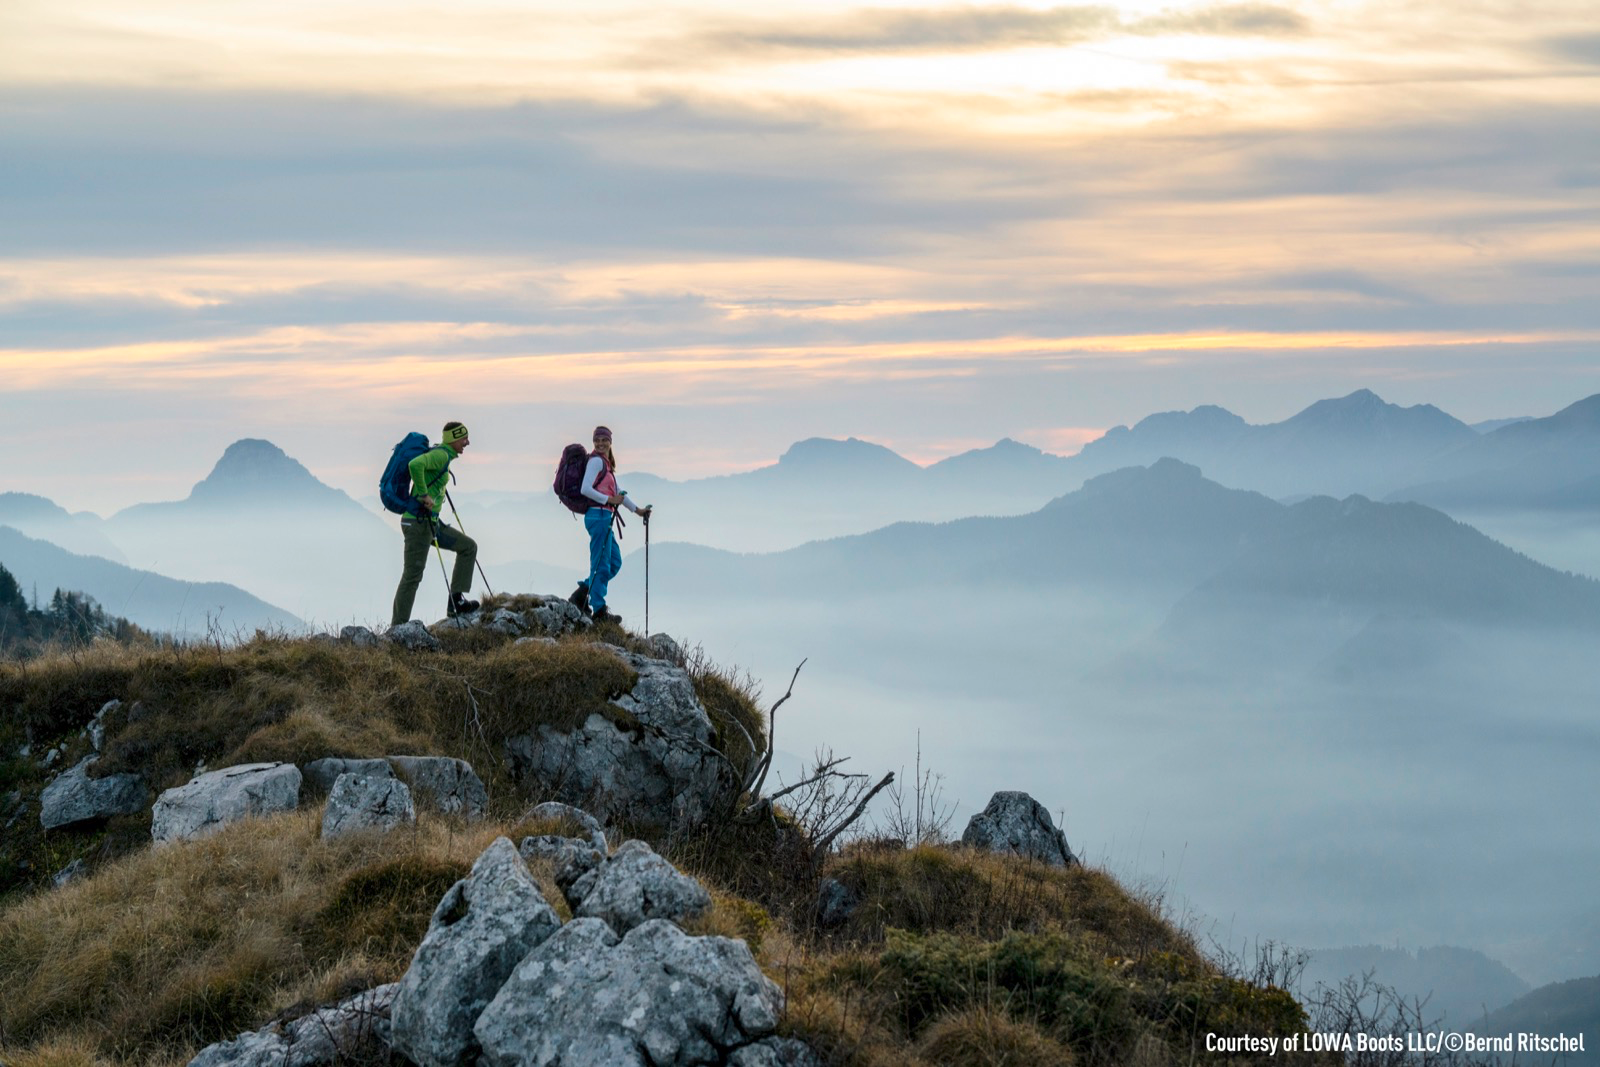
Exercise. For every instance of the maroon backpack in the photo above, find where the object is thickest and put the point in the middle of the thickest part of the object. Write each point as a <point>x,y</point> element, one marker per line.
<point>569,478</point>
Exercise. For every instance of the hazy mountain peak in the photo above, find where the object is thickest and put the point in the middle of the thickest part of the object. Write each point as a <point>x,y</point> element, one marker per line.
<point>30,505</point>
<point>250,467</point>
<point>828,451</point>
<point>1585,413</point>
<point>1164,473</point>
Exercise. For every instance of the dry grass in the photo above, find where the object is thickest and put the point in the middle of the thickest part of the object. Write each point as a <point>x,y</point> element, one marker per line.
<point>277,699</point>
<point>176,947</point>
<point>959,890</point>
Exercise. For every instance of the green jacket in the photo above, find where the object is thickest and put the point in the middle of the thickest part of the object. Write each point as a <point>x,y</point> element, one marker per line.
<point>430,476</point>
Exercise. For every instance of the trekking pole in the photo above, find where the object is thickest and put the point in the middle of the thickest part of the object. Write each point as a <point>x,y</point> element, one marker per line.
<point>463,526</point>
<point>433,534</point>
<point>647,574</point>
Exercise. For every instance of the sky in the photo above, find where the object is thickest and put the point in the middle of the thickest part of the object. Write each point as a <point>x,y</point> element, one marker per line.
<point>720,229</point>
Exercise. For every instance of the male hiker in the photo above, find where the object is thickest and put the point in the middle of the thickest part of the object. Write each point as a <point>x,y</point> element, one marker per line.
<point>422,527</point>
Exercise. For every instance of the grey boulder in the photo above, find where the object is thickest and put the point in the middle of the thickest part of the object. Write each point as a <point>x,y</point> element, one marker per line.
<point>359,636</point>
<point>216,798</point>
<point>358,802</point>
<point>775,1052</point>
<point>655,998</point>
<point>666,773</point>
<point>74,797</point>
<point>635,885</point>
<point>446,784</point>
<point>508,622</point>
<point>355,1031</point>
<point>555,616</point>
<point>414,636</point>
<point>320,774</point>
<point>483,927</point>
<point>1017,823</point>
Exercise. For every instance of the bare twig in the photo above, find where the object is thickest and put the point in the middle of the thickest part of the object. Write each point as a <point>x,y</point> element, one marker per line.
<point>764,764</point>
<point>820,848</point>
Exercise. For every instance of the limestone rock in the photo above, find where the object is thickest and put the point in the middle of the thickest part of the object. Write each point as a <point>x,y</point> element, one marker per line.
<point>483,927</point>
<point>359,636</point>
<point>775,1052</point>
<point>553,809</point>
<point>572,857</point>
<point>508,622</point>
<point>667,648</point>
<point>636,885</point>
<point>75,797</point>
<point>358,802</point>
<point>665,774</point>
<point>223,796</point>
<point>320,774</point>
<point>97,725</point>
<point>656,997</point>
<point>446,784</point>
<point>556,616</point>
<point>70,873</point>
<point>354,1031</point>
<point>414,636</point>
<point>549,642</point>
<point>1015,822</point>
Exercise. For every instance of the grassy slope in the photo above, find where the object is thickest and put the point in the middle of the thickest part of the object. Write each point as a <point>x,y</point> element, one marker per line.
<point>952,957</point>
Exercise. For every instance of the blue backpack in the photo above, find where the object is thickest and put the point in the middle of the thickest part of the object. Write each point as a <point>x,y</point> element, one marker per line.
<point>394,488</point>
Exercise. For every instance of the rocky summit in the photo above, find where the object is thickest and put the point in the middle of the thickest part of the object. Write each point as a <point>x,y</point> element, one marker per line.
<point>511,838</point>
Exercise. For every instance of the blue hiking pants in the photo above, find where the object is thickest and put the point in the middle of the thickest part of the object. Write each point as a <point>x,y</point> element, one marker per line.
<point>605,556</point>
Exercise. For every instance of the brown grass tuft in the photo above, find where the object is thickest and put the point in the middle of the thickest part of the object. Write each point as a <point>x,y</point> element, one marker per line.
<point>985,1037</point>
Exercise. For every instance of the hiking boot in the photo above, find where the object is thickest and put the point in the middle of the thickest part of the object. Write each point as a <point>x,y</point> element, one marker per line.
<point>580,597</point>
<point>604,615</point>
<point>460,605</point>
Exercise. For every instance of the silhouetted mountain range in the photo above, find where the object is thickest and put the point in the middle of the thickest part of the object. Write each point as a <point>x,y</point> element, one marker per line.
<point>261,520</point>
<point>154,602</point>
<point>38,517</point>
<point>1551,463</point>
<point>1353,444</point>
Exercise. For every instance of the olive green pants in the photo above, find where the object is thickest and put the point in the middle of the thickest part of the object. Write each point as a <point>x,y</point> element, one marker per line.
<point>419,539</point>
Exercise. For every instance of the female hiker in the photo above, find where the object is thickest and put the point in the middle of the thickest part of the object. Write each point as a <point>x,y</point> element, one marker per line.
<point>605,557</point>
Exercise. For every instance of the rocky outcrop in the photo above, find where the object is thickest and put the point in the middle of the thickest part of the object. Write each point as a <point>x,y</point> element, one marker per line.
<point>655,998</point>
<point>74,797</point>
<point>413,636</point>
<point>354,1031</point>
<point>635,886</point>
<point>447,785</point>
<point>1017,823</point>
<point>358,802</point>
<point>485,925</point>
<point>662,772</point>
<point>556,616</point>
<point>219,797</point>
<point>359,636</point>
<point>320,774</point>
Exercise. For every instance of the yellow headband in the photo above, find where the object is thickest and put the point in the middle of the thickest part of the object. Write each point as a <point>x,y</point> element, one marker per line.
<point>455,433</point>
